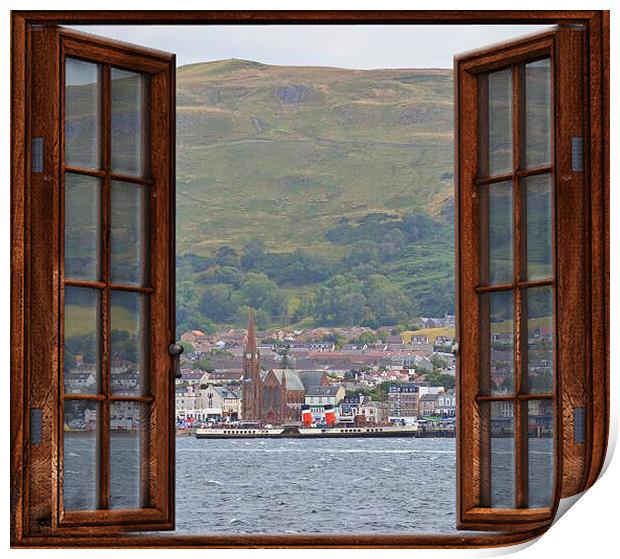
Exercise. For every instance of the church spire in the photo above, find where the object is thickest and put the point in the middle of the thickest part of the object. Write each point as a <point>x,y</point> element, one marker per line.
<point>250,340</point>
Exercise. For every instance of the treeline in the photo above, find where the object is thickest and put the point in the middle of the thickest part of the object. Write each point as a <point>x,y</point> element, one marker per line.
<point>392,269</point>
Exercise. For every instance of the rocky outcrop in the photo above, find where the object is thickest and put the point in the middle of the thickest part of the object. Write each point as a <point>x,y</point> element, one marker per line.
<point>293,94</point>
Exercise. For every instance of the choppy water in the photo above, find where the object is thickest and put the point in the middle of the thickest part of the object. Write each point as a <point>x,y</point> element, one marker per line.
<point>313,486</point>
<point>335,486</point>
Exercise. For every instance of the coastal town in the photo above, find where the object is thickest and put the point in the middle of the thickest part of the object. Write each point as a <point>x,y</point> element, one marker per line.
<point>358,376</point>
<point>318,377</point>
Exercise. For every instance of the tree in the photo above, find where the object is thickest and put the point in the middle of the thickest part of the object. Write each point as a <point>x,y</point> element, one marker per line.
<point>259,292</point>
<point>218,303</point>
<point>227,256</point>
<point>387,300</point>
<point>204,365</point>
<point>367,338</point>
<point>253,252</point>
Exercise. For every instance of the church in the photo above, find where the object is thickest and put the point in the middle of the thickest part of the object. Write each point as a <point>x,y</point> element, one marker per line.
<point>275,396</point>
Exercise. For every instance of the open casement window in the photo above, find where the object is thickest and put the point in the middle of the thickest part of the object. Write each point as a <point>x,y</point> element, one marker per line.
<point>92,389</point>
<point>100,405</point>
<point>525,405</point>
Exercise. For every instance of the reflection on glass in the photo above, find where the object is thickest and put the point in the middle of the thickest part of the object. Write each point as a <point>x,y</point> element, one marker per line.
<point>499,233</point>
<point>128,225</point>
<point>540,452</point>
<point>497,364</point>
<point>539,221</point>
<point>129,122</point>
<point>82,227</point>
<point>538,113</point>
<point>496,124</point>
<point>127,343</point>
<point>498,467</point>
<point>127,422</point>
<point>540,339</point>
<point>81,456</point>
<point>82,114</point>
<point>81,340</point>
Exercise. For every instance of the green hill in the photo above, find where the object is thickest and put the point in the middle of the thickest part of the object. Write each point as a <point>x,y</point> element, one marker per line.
<point>331,174</point>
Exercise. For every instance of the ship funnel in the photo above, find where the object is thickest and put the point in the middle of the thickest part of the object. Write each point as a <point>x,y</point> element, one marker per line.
<point>330,415</point>
<point>306,416</point>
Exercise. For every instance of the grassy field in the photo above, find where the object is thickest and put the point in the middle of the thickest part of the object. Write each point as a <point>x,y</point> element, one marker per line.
<point>81,319</point>
<point>281,153</point>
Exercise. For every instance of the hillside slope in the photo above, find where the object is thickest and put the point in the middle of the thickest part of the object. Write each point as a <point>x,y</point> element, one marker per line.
<point>314,160</point>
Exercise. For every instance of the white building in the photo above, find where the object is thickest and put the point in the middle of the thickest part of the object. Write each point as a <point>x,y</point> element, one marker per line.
<point>317,397</point>
<point>375,412</point>
<point>212,402</point>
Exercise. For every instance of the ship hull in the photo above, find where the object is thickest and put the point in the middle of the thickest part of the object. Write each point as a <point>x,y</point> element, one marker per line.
<point>333,433</point>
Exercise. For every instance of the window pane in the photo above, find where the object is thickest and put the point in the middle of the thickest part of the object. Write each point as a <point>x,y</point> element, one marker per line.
<point>496,123</point>
<point>538,113</point>
<point>497,455</point>
<point>540,339</point>
<point>497,343</point>
<point>539,216</point>
<point>127,337</point>
<point>81,455</point>
<point>128,233</point>
<point>81,340</point>
<point>82,114</point>
<point>540,453</point>
<point>127,422</point>
<point>82,227</point>
<point>129,123</point>
<point>496,233</point>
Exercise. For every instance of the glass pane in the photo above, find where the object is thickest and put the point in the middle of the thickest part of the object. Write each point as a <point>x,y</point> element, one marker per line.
<point>127,422</point>
<point>127,347</point>
<point>128,233</point>
<point>81,456</point>
<point>540,340</point>
<point>497,455</point>
<point>540,452</point>
<point>81,340</point>
<point>538,113</point>
<point>496,233</point>
<point>496,123</point>
<point>497,343</point>
<point>82,227</point>
<point>129,122</point>
<point>539,216</point>
<point>82,114</point>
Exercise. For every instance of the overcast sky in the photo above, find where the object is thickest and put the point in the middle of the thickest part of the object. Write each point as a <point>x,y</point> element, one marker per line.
<point>346,46</point>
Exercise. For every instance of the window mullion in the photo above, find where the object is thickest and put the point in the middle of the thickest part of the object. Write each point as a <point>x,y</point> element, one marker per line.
<point>520,419</point>
<point>104,430</point>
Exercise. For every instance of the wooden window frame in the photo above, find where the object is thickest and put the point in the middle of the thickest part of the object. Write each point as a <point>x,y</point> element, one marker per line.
<point>595,245</point>
<point>44,382</point>
<point>564,47</point>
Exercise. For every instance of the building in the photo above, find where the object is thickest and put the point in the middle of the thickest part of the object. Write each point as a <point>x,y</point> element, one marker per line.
<point>403,400</point>
<point>317,397</point>
<point>350,407</point>
<point>427,404</point>
<point>273,396</point>
<point>446,404</point>
<point>80,380</point>
<point>217,401</point>
<point>375,412</point>
<point>185,402</point>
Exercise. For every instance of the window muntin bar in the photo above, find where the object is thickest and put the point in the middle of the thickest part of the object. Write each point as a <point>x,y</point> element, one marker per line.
<point>111,267</point>
<point>528,280</point>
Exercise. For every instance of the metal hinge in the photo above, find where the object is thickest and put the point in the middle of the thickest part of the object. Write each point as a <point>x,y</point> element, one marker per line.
<point>37,155</point>
<point>577,154</point>
<point>36,426</point>
<point>579,425</point>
